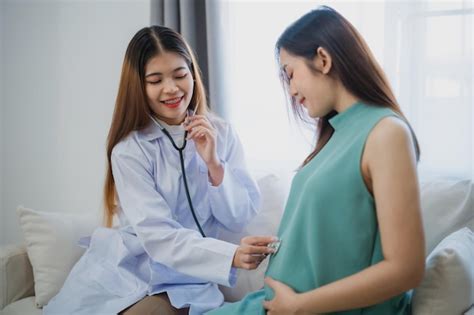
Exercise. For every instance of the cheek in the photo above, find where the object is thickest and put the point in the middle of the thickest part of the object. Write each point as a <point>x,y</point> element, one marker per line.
<point>188,85</point>
<point>323,89</point>
<point>152,92</point>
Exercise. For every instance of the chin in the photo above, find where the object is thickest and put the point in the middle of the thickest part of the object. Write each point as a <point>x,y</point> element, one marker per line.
<point>173,118</point>
<point>321,113</point>
<point>314,114</point>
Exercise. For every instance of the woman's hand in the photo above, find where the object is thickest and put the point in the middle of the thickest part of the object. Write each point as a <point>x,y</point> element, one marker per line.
<point>285,301</point>
<point>252,251</point>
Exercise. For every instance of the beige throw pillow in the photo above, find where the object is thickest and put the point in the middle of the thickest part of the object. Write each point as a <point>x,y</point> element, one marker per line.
<point>51,242</point>
<point>448,285</point>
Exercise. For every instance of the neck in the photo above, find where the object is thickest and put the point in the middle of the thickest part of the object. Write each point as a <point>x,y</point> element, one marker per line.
<point>344,100</point>
<point>171,122</point>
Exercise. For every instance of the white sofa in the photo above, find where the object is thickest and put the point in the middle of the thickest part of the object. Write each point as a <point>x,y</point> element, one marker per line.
<point>447,206</point>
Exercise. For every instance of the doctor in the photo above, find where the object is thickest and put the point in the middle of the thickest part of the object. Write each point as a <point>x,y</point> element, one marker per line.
<point>176,176</point>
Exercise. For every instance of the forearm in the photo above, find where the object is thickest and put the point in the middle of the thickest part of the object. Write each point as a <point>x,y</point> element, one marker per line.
<point>368,287</point>
<point>216,173</point>
<point>187,253</point>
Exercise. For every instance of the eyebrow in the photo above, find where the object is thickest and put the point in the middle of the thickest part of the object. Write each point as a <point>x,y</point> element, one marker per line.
<point>159,73</point>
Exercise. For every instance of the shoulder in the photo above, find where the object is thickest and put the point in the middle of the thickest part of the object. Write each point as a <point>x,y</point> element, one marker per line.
<point>126,145</point>
<point>390,130</point>
<point>223,128</point>
<point>391,137</point>
<point>217,121</point>
<point>133,146</point>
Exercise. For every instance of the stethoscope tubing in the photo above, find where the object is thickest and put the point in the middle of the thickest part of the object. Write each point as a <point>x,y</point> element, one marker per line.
<point>181,159</point>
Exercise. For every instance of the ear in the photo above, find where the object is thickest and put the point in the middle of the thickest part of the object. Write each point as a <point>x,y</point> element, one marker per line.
<point>323,60</point>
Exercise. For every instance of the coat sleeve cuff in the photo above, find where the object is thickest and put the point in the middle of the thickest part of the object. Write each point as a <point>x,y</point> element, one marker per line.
<point>228,269</point>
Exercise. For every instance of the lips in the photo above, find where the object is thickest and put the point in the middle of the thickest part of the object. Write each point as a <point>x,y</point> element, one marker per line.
<point>302,101</point>
<point>172,102</point>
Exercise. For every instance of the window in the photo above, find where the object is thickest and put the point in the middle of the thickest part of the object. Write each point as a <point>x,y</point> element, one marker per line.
<point>433,81</point>
<point>425,49</point>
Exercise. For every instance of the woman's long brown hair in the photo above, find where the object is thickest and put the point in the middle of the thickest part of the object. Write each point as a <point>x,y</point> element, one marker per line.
<point>131,106</point>
<point>352,64</point>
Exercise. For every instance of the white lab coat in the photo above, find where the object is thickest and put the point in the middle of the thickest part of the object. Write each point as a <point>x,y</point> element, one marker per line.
<point>157,247</point>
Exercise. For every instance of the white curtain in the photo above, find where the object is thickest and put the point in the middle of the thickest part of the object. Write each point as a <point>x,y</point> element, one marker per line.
<point>424,47</point>
<point>431,69</point>
<point>200,23</point>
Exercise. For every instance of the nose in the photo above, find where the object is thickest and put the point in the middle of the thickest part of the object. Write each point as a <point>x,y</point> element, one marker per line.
<point>293,91</point>
<point>170,87</point>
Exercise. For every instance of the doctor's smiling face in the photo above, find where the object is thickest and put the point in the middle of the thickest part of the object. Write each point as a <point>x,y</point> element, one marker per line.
<point>169,86</point>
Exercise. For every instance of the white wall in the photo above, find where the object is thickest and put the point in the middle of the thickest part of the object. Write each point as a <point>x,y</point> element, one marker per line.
<point>2,219</point>
<point>61,64</point>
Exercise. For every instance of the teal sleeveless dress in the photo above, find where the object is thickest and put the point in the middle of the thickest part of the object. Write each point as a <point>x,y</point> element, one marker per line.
<point>329,229</point>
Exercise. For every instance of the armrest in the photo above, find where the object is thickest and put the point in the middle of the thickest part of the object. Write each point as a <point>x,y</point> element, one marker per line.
<point>16,274</point>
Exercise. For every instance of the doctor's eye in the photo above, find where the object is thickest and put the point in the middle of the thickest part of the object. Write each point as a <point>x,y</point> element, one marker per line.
<point>153,82</point>
<point>182,76</point>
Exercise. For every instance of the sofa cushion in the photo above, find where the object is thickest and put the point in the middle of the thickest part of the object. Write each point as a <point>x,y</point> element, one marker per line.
<point>51,242</point>
<point>16,274</point>
<point>448,284</point>
<point>24,306</point>
<point>447,206</point>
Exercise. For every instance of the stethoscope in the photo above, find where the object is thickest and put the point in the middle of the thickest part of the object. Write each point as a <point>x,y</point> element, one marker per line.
<point>181,158</point>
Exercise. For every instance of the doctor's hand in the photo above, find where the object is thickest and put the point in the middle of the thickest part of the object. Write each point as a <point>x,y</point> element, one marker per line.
<point>285,301</point>
<point>204,136</point>
<point>252,251</point>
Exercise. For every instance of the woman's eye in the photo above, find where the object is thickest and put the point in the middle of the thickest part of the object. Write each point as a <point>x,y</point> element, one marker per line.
<point>181,76</point>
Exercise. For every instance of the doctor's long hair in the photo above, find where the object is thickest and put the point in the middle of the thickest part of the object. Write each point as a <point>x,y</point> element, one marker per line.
<point>352,64</point>
<point>131,106</point>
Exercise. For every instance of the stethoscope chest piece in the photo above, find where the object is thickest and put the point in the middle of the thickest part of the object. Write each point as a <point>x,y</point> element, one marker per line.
<point>275,245</point>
